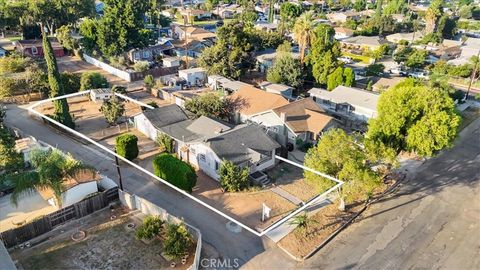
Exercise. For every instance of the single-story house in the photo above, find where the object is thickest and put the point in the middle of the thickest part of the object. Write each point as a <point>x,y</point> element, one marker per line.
<point>410,37</point>
<point>150,122</point>
<point>226,11</point>
<point>363,42</point>
<point>149,53</point>
<point>196,13</point>
<point>266,26</point>
<point>383,83</point>
<point>341,17</point>
<point>196,33</point>
<point>347,102</point>
<point>234,86</point>
<point>265,59</point>
<point>75,189</point>
<point>193,76</point>
<point>468,49</point>
<point>302,119</point>
<point>342,32</point>
<point>216,82</point>
<point>34,49</point>
<point>26,145</point>
<point>100,94</point>
<point>276,88</point>
<point>193,48</point>
<point>180,97</point>
<point>252,101</point>
<point>171,61</point>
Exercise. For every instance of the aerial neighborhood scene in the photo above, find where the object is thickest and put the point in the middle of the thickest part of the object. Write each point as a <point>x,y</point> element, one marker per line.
<point>248,134</point>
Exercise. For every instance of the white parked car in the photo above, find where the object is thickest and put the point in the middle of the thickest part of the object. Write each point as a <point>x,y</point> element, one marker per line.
<point>419,75</point>
<point>346,60</point>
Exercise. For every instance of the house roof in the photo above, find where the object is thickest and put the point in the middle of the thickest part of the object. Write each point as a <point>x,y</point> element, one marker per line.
<point>351,95</point>
<point>344,30</point>
<point>255,100</point>
<point>37,43</point>
<point>385,83</point>
<point>364,40</point>
<point>237,145</point>
<point>195,130</point>
<point>405,36</point>
<point>304,115</point>
<point>275,86</point>
<point>235,85</point>
<point>70,182</point>
<point>165,115</point>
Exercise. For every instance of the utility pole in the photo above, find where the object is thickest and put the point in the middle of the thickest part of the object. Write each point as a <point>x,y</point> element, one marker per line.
<point>473,75</point>
<point>118,171</point>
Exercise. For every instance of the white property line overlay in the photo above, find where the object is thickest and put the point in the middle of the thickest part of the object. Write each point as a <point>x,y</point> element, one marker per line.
<point>263,232</point>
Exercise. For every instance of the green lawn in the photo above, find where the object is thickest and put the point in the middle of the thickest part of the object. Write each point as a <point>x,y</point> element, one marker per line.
<point>357,58</point>
<point>15,38</point>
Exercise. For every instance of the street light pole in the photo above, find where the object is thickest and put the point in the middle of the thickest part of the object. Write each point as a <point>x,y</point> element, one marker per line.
<point>118,171</point>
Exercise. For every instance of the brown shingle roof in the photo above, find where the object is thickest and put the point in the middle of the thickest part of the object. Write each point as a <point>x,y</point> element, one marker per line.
<point>255,100</point>
<point>304,115</point>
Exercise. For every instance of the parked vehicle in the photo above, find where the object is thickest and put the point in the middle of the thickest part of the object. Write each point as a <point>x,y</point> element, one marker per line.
<point>346,60</point>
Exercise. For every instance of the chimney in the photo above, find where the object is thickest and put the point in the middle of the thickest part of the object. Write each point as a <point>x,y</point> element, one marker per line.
<point>283,116</point>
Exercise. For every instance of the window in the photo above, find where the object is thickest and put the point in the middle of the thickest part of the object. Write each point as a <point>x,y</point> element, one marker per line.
<point>34,50</point>
<point>202,157</point>
<point>217,166</point>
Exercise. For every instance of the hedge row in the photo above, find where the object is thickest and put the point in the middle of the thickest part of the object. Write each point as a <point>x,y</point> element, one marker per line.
<point>175,171</point>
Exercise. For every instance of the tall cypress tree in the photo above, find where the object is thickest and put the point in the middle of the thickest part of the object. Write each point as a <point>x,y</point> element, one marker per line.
<point>62,113</point>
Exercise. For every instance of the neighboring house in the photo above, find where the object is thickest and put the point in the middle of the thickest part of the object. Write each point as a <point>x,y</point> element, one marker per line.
<point>75,189</point>
<point>26,145</point>
<point>265,59</point>
<point>276,88</point>
<point>191,32</point>
<point>363,42</point>
<point>385,83</point>
<point>252,101</point>
<point>34,49</point>
<point>196,13</point>
<point>193,76</point>
<point>342,33</point>
<point>151,121</point>
<point>341,17</point>
<point>193,48</point>
<point>347,102</point>
<point>266,26</point>
<point>171,61</point>
<point>216,82</point>
<point>233,86</point>
<point>100,94</point>
<point>226,11</point>
<point>303,119</point>
<point>3,52</point>
<point>468,49</point>
<point>410,37</point>
<point>149,53</point>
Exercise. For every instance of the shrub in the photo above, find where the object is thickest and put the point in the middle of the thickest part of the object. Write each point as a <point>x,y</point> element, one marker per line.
<point>374,69</point>
<point>165,142</point>
<point>92,80</point>
<point>232,177</point>
<point>141,66</point>
<point>149,82</point>
<point>151,227</point>
<point>12,64</point>
<point>126,146</point>
<point>177,240</point>
<point>119,89</point>
<point>70,82</point>
<point>175,171</point>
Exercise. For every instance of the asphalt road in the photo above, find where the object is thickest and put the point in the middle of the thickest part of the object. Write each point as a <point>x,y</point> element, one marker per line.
<point>431,222</point>
<point>240,246</point>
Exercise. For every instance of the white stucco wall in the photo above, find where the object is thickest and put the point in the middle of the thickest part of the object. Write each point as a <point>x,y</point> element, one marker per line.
<point>79,192</point>
<point>143,125</point>
<point>273,123</point>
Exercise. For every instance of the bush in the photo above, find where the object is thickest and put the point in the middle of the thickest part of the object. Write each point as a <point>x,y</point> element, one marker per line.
<point>92,80</point>
<point>165,142</point>
<point>119,89</point>
<point>149,82</point>
<point>141,66</point>
<point>70,82</point>
<point>126,146</point>
<point>177,240</point>
<point>13,64</point>
<point>232,177</point>
<point>175,171</point>
<point>151,227</point>
<point>374,69</point>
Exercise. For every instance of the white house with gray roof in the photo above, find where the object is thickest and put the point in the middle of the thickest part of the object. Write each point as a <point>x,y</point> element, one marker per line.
<point>347,101</point>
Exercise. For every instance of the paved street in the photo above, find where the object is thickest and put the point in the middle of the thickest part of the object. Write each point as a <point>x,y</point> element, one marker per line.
<point>431,221</point>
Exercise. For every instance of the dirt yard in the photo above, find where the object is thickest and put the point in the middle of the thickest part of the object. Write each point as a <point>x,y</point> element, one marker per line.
<point>290,179</point>
<point>244,206</point>
<point>77,65</point>
<point>108,245</point>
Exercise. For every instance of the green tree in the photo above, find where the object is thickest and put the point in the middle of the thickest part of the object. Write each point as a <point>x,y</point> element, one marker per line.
<point>232,177</point>
<point>335,79</point>
<point>303,31</point>
<point>112,110</point>
<point>51,169</point>
<point>446,27</point>
<point>63,35</point>
<point>210,105</point>
<point>338,154</point>
<point>13,64</point>
<point>88,30</point>
<point>149,82</point>
<point>348,77</point>
<point>126,146</point>
<point>324,54</point>
<point>151,227</point>
<point>416,59</point>
<point>177,240</point>
<point>360,5</point>
<point>166,142</point>
<point>289,12</point>
<point>62,113</point>
<point>286,70</point>
<point>211,4</point>
<point>415,118</point>
<point>374,69</point>
<point>92,80</point>
<point>70,82</point>
<point>432,14</point>
<point>11,160</point>
<point>175,171</point>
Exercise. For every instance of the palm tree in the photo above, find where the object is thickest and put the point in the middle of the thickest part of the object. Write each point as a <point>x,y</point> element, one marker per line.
<point>302,221</point>
<point>303,31</point>
<point>51,169</point>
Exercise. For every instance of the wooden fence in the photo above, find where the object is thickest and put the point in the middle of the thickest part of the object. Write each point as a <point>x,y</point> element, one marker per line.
<point>48,222</point>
